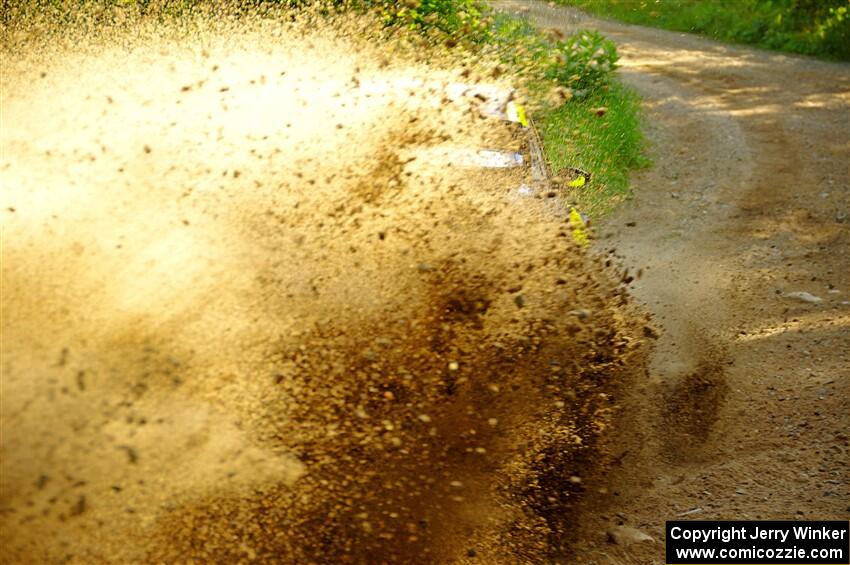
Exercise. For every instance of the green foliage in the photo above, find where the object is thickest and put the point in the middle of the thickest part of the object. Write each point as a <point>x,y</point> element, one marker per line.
<point>833,32</point>
<point>811,27</point>
<point>583,61</point>
<point>457,18</point>
<point>521,47</point>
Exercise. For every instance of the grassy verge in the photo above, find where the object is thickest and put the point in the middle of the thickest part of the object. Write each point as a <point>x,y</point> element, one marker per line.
<point>593,124</point>
<point>607,146</point>
<point>810,27</point>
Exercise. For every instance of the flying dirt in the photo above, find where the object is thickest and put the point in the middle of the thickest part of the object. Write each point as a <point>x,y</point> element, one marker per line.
<point>249,317</point>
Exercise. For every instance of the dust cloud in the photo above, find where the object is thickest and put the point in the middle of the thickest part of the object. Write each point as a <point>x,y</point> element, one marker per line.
<point>247,316</point>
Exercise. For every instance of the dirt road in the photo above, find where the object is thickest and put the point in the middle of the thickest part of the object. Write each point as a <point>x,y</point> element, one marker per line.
<point>746,409</point>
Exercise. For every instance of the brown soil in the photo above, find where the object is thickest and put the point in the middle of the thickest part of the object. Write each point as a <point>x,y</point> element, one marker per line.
<point>746,407</point>
<point>245,320</point>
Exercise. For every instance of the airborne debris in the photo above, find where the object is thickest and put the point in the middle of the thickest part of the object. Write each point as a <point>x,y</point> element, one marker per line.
<point>320,371</point>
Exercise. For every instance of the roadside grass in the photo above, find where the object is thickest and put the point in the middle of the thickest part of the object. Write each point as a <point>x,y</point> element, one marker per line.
<point>574,134</point>
<point>607,146</point>
<point>810,27</point>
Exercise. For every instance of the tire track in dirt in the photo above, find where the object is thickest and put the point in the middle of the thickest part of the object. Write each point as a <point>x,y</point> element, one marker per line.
<point>747,201</point>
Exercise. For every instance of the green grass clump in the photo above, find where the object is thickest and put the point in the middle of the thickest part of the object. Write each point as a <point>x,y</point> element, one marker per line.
<point>608,145</point>
<point>810,27</point>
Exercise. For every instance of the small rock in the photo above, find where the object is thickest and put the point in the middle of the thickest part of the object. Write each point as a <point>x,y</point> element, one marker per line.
<point>42,481</point>
<point>650,332</point>
<point>582,314</point>
<point>132,454</point>
<point>79,507</point>
<point>689,512</point>
<point>624,535</point>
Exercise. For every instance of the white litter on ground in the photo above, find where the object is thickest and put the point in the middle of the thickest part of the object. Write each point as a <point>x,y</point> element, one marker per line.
<point>804,296</point>
<point>464,157</point>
